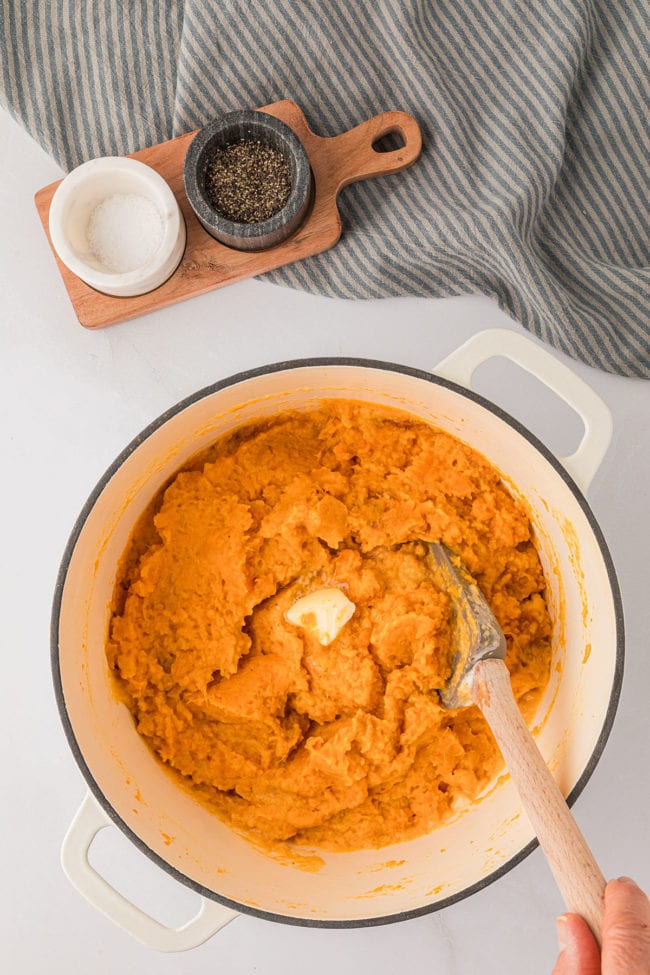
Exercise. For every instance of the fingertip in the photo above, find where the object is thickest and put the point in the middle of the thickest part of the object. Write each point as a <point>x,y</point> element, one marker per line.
<point>624,895</point>
<point>626,927</point>
<point>578,949</point>
<point>562,925</point>
<point>623,888</point>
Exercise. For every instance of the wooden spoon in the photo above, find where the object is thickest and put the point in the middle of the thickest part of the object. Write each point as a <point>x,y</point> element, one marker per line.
<point>480,676</point>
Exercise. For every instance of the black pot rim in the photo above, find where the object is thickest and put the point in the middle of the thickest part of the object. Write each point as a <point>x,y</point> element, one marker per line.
<point>380,366</point>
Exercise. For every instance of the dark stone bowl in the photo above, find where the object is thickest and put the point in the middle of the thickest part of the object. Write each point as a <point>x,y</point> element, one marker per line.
<point>254,127</point>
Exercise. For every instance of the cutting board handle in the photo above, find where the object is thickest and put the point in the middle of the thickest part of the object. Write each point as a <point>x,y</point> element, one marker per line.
<point>359,159</point>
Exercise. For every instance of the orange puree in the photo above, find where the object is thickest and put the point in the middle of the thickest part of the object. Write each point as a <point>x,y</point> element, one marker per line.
<point>342,746</point>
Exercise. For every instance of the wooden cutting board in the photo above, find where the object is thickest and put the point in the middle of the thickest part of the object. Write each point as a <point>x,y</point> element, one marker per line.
<point>207,264</point>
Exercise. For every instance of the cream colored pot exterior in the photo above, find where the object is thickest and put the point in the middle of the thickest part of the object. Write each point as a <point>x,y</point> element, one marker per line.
<point>370,886</point>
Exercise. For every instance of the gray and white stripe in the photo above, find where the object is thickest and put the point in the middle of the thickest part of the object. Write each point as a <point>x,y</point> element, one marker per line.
<point>534,182</point>
<point>90,77</point>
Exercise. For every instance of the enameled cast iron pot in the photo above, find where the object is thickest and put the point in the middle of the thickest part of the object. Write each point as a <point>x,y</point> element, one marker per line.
<point>129,788</point>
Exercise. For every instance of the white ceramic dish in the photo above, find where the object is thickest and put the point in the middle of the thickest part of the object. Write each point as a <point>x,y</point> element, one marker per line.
<point>85,188</point>
<point>128,785</point>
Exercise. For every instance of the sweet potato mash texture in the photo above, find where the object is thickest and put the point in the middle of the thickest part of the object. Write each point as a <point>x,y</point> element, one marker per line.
<point>343,746</point>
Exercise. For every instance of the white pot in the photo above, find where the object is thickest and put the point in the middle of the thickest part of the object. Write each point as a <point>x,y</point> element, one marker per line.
<point>130,788</point>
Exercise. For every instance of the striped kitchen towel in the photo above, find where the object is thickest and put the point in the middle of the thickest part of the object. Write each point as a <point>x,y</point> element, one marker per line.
<point>533,185</point>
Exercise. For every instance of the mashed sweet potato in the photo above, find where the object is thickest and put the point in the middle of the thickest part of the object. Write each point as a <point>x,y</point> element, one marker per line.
<point>343,746</point>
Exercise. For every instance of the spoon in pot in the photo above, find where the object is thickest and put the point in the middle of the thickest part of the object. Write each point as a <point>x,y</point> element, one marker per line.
<point>480,676</point>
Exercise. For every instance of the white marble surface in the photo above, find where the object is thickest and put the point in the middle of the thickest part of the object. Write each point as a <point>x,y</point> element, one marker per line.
<point>71,400</point>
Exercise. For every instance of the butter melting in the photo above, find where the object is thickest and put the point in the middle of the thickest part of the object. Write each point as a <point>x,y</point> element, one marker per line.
<point>323,612</point>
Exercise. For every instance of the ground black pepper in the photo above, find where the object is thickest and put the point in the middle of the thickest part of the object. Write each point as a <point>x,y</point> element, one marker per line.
<point>247,182</point>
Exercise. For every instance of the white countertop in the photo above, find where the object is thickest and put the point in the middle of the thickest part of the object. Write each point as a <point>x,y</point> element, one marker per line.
<point>71,400</point>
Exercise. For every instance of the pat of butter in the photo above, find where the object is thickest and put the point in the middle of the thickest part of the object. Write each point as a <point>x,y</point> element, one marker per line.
<point>323,612</point>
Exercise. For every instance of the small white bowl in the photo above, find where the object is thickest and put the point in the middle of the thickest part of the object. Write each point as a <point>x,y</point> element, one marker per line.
<point>76,199</point>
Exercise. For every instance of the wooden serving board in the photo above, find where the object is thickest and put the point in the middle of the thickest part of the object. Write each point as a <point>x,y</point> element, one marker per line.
<point>206,264</point>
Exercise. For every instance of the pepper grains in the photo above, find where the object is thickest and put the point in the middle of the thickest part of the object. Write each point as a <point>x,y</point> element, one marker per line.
<point>247,182</point>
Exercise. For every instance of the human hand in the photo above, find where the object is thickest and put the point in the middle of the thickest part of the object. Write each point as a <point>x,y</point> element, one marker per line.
<point>625,936</point>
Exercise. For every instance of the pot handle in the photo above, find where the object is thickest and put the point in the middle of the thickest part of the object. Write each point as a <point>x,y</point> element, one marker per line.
<point>461,364</point>
<point>89,820</point>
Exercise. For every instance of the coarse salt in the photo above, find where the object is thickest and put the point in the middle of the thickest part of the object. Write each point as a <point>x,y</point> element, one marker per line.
<point>124,231</point>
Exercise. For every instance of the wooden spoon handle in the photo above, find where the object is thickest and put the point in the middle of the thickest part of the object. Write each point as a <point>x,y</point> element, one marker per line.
<point>576,872</point>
